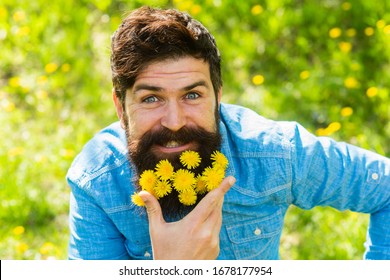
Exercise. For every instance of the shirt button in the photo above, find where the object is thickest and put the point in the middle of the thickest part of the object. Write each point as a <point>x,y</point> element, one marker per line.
<point>374,176</point>
<point>257,231</point>
<point>147,254</point>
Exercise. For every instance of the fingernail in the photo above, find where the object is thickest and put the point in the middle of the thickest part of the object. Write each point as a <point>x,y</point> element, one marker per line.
<point>231,181</point>
<point>143,196</point>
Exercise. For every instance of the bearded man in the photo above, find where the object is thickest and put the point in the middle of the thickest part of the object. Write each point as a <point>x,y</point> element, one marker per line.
<point>167,91</point>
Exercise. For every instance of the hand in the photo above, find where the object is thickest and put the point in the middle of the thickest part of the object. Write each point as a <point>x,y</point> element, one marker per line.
<point>196,236</point>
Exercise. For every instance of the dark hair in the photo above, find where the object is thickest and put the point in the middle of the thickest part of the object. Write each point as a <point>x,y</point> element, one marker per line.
<point>149,35</point>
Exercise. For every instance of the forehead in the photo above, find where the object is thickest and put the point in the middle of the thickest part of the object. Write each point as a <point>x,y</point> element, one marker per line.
<point>179,71</point>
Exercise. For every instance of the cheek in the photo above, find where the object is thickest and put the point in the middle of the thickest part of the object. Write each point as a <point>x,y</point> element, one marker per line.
<point>139,123</point>
<point>205,120</point>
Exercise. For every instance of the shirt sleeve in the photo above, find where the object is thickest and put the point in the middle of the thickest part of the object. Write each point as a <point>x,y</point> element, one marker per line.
<point>343,176</point>
<point>92,233</point>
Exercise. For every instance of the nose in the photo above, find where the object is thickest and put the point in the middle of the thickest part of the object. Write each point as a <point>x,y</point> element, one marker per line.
<point>174,116</point>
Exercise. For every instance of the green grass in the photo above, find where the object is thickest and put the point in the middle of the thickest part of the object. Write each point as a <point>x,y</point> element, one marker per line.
<point>55,94</point>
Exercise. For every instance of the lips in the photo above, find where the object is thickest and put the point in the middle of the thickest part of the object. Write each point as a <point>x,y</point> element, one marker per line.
<point>173,147</point>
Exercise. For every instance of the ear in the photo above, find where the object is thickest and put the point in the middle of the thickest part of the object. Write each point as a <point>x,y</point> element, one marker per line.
<point>219,96</point>
<point>119,108</point>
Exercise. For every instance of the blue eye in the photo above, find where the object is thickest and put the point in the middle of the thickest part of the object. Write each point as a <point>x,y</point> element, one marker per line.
<point>192,95</point>
<point>150,99</point>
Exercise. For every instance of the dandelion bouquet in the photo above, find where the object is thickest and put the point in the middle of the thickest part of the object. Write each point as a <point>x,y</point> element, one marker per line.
<point>163,179</point>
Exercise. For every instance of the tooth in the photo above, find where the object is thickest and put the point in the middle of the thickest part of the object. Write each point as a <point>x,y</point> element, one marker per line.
<point>172,144</point>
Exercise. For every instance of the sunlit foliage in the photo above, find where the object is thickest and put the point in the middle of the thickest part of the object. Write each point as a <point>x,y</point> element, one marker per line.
<point>324,64</point>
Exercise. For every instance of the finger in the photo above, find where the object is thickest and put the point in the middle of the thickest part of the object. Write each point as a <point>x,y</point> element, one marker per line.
<point>214,221</point>
<point>211,201</point>
<point>153,208</point>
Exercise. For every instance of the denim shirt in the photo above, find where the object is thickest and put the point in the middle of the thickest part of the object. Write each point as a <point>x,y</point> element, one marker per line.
<point>276,164</point>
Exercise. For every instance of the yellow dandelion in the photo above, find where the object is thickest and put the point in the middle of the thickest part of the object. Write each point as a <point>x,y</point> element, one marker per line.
<point>346,112</point>
<point>190,159</point>
<point>257,10</point>
<point>335,32</point>
<point>148,180</point>
<point>380,24</point>
<point>213,177</point>
<point>21,248</point>
<point>18,230</point>
<point>19,16</point>
<point>369,31</point>
<point>304,75</point>
<point>188,197</point>
<point>196,9</point>
<point>14,82</point>
<point>219,159</point>
<point>386,29</point>
<point>164,169</point>
<point>183,180</point>
<point>322,132</point>
<point>162,188</point>
<point>23,31</point>
<point>372,91</point>
<point>200,186</point>
<point>46,248</point>
<point>333,127</point>
<point>67,153</point>
<point>65,67</point>
<point>51,67</point>
<point>3,12</point>
<point>351,83</point>
<point>345,47</point>
<point>137,200</point>
<point>258,80</point>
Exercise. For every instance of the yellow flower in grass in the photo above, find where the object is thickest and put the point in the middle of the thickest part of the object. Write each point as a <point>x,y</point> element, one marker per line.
<point>164,170</point>
<point>213,177</point>
<point>47,248</point>
<point>190,159</point>
<point>183,180</point>
<point>219,159</point>
<point>200,186</point>
<point>162,188</point>
<point>188,197</point>
<point>137,200</point>
<point>148,180</point>
<point>18,230</point>
<point>21,248</point>
<point>346,111</point>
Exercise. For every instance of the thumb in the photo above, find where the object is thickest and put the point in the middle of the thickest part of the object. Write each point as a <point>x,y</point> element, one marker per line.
<point>212,199</point>
<point>153,208</point>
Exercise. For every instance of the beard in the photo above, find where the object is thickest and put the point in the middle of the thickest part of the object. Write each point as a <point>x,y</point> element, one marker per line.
<point>144,157</point>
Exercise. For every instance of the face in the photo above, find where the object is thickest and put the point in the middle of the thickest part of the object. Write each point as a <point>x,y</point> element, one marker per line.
<point>170,108</point>
<point>172,94</point>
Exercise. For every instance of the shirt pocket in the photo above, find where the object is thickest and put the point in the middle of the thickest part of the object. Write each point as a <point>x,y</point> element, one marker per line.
<point>255,239</point>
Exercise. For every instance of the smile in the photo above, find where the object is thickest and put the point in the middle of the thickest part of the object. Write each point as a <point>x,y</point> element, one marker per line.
<point>174,147</point>
<point>172,144</point>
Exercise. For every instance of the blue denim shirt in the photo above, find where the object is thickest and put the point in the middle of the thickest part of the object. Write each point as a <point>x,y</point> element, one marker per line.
<point>276,164</point>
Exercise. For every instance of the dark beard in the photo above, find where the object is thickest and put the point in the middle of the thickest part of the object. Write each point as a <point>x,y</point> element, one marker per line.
<point>144,158</point>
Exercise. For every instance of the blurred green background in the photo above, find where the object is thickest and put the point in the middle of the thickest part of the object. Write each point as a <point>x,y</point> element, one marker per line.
<point>323,63</point>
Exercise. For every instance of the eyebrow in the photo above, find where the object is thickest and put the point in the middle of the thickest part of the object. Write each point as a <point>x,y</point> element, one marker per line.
<point>156,88</point>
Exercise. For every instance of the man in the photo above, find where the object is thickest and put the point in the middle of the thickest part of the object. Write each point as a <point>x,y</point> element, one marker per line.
<point>167,94</point>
